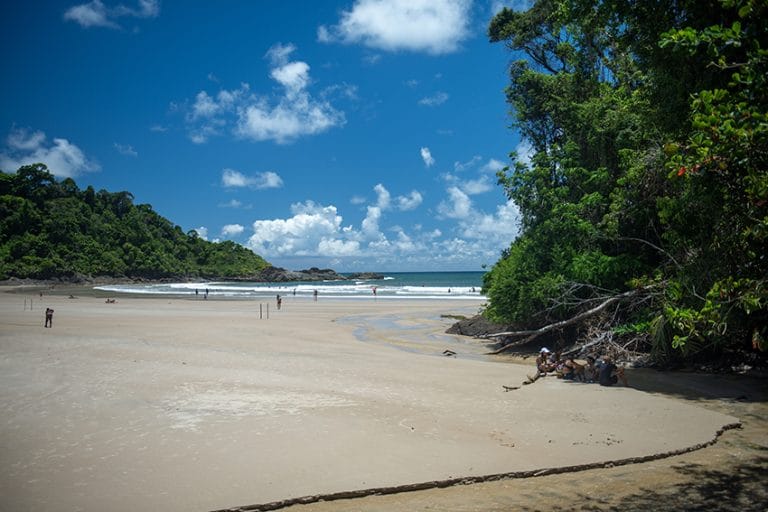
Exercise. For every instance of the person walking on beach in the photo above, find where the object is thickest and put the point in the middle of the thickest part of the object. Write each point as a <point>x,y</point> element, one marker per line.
<point>48,317</point>
<point>279,302</point>
<point>314,294</point>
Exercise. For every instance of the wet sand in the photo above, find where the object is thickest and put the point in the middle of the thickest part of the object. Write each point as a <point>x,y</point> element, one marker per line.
<point>179,404</point>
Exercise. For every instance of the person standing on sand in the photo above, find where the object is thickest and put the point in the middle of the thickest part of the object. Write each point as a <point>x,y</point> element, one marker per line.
<point>279,302</point>
<point>314,294</point>
<point>48,317</point>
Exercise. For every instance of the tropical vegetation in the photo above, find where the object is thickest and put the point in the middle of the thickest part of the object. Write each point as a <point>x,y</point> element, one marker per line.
<point>52,229</point>
<point>647,175</point>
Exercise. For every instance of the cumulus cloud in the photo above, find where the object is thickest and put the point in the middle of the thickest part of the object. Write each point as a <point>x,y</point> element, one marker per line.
<point>230,230</point>
<point>432,26</point>
<point>435,100</point>
<point>292,114</point>
<point>231,178</point>
<point>310,227</point>
<point>96,14</point>
<point>63,158</point>
<point>426,155</point>
<point>370,224</point>
<point>316,233</point>
<point>383,196</point>
<point>457,206</point>
<point>409,202</point>
<point>202,232</point>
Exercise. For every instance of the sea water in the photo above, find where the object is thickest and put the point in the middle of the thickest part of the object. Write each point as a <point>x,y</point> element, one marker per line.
<point>398,285</point>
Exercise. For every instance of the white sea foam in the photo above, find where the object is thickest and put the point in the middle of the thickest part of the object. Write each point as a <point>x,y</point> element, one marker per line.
<point>425,285</point>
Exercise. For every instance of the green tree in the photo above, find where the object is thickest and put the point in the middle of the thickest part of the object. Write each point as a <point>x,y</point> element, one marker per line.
<point>647,121</point>
<point>52,229</point>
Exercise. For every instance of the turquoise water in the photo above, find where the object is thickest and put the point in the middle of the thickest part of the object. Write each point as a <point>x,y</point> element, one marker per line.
<point>416,285</point>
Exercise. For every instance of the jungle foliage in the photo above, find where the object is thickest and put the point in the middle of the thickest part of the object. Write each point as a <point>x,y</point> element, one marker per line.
<point>52,229</point>
<point>648,127</point>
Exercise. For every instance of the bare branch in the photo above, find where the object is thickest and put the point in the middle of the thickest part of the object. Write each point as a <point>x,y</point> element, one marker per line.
<point>559,325</point>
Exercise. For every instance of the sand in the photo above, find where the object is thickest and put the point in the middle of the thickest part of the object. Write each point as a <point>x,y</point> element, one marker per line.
<point>182,404</point>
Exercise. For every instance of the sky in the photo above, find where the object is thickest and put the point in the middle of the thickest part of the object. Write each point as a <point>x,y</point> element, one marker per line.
<point>357,135</point>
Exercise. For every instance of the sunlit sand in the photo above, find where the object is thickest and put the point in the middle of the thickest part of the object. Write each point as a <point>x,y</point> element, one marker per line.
<point>177,404</point>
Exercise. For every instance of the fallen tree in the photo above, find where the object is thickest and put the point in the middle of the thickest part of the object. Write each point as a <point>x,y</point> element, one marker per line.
<point>531,335</point>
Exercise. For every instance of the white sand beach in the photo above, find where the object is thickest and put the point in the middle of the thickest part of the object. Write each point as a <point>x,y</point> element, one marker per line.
<point>179,404</point>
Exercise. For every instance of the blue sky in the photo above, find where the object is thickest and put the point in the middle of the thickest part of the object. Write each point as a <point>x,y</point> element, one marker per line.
<point>351,134</point>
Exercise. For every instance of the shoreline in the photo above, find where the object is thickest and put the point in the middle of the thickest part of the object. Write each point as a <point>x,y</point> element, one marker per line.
<point>149,382</point>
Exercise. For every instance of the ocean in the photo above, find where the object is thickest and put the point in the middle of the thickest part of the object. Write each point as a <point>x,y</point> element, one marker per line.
<point>394,285</point>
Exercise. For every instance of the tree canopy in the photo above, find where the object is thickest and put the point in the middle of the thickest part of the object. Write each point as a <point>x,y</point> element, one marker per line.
<point>52,229</point>
<point>648,127</point>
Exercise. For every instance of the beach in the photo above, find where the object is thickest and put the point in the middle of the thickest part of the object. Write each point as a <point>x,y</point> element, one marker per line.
<point>176,403</point>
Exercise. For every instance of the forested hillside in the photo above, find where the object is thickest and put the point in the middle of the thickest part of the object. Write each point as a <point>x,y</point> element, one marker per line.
<point>647,179</point>
<point>52,229</point>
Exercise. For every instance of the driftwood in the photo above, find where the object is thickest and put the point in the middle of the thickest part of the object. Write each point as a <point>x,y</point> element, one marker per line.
<point>532,335</point>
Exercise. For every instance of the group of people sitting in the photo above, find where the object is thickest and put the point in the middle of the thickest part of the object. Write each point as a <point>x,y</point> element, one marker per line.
<point>601,370</point>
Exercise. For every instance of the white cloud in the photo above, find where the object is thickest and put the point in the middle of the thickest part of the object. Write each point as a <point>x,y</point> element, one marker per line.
<point>493,166</point>
<point>293,114</point>
<point>409,202</point>
<point>202,232</point>
<point>464,236</point>
<point>315,235</point>
<point>269,179</point>
<point>462,166</point>
<point>230,230</point>
<point>457,206</point>
<point>491,232</point>
<point>300,235</point>
<point>426,155</point>
<point>483,183</point>
<point>435,100</point>
<point>231,178</point>
<point>478,186</point>
<point>524,152</point>
<point>63,158</point>
<point>370,224</point>
<point>125,149</point>
<point>338,248</point>
<point>232,203</point>
<point>96,14</point>
<point>382,196</point>
<point>431,26</point>
<point>278,54</point>
<point>293,75</point>
<point>93,14</point>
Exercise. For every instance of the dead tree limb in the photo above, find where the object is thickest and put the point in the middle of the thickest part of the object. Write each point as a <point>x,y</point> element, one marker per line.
<point>532,335</point>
